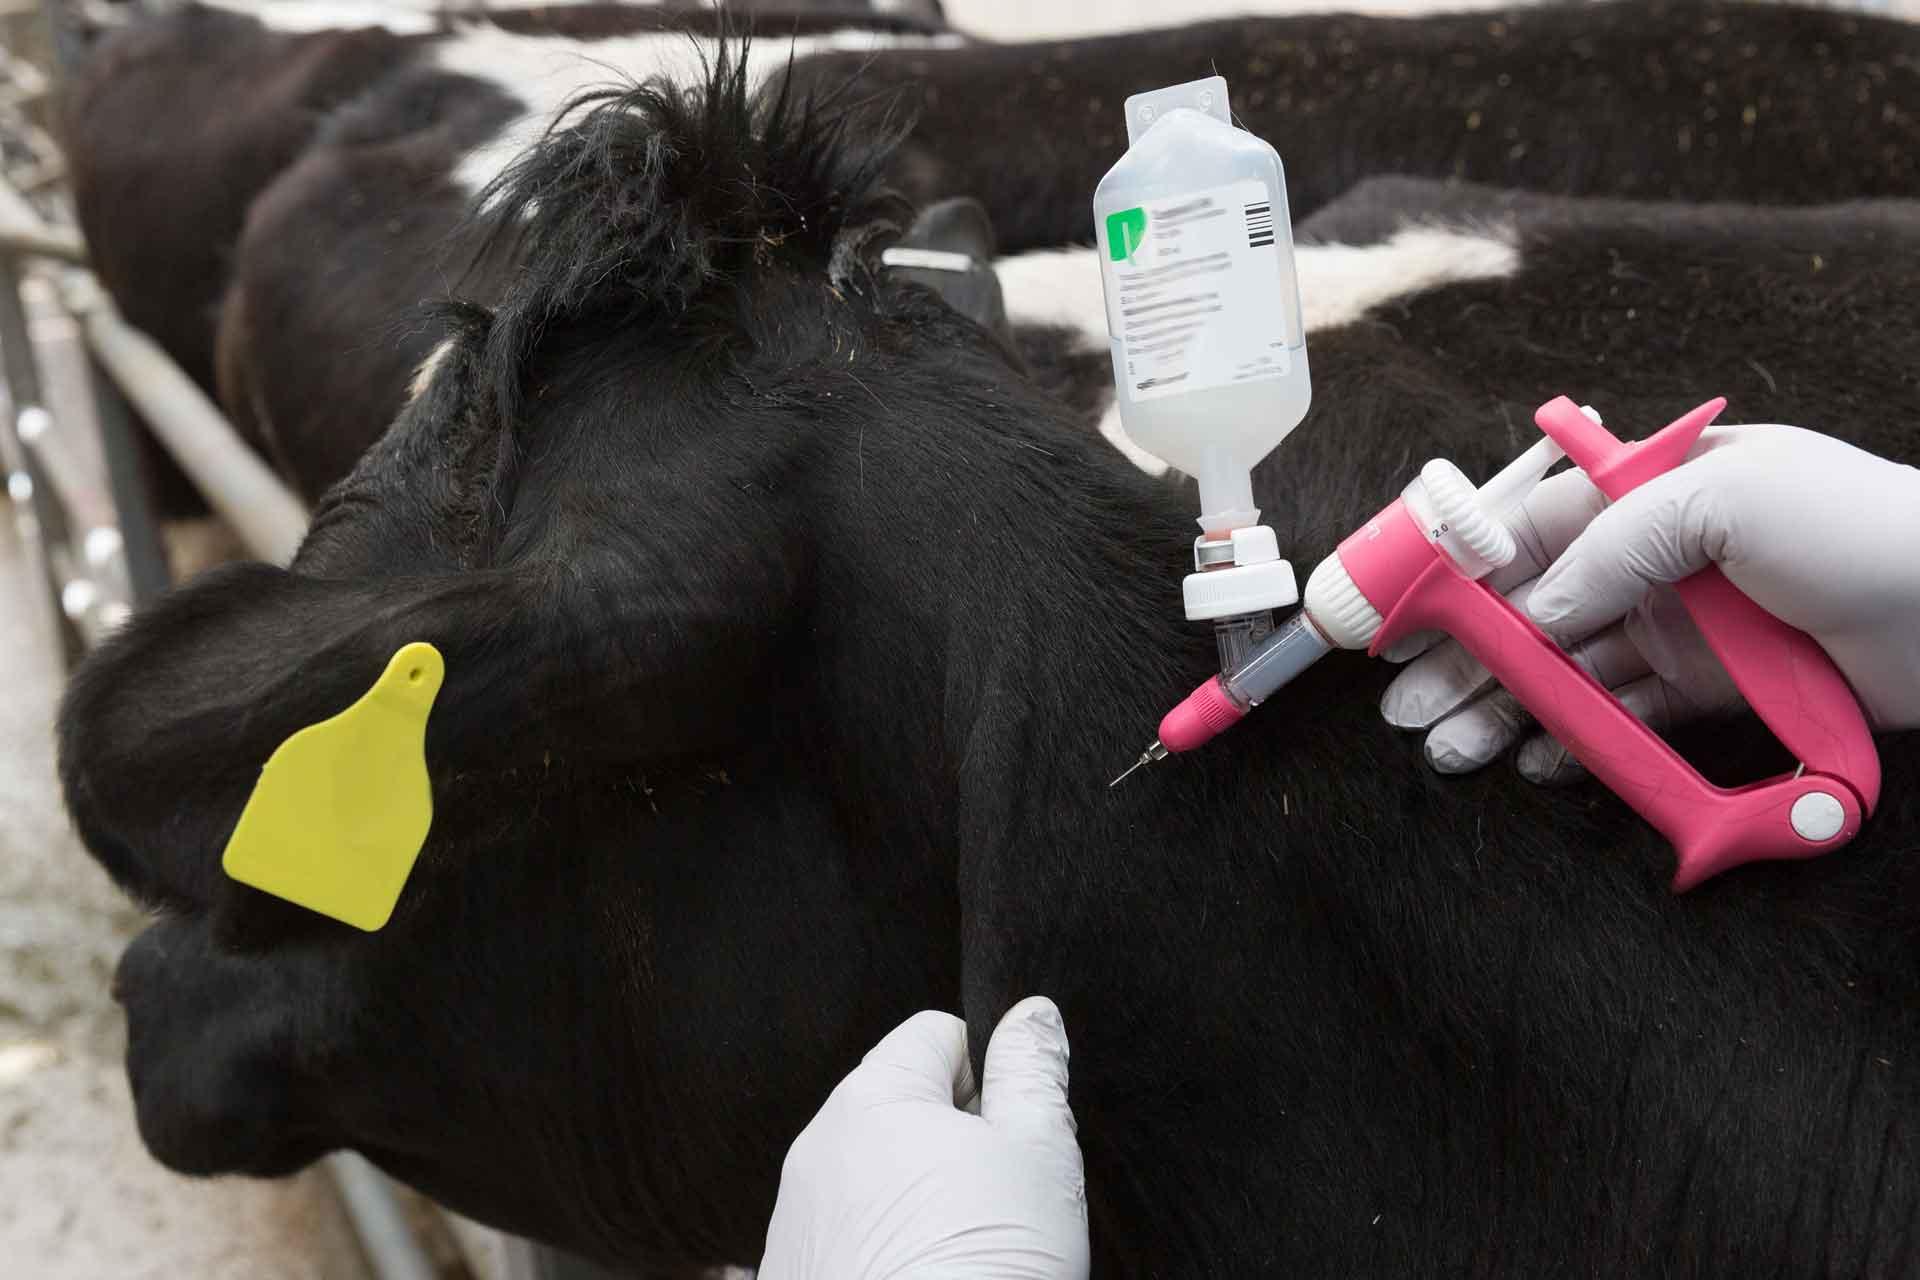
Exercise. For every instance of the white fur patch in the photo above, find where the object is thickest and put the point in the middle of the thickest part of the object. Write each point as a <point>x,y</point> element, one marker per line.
<point>1338,284</point>
<point>402,17</point>
<point>423,376</point>
<point>1056,286</point>
<point>297,16</point>
<point>1341,282</point>
<point>546,72</point>
<point>1075,19</point>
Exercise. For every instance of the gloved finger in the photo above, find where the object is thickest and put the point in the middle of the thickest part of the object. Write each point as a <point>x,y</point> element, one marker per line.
<point>1434,686</point>
<point>1544,525</point>
<point>1024,1090</point>
<point>1661,532</point>
<point>1665,632</point>
<point>1478,733</point>
<point>1544,760</point>
<point>924,1059</point>
<point>1487,727</point>
<point>1612,657</point>
<point>1440,682</point>
<point>1652,700</point>
<point>1407,648</point>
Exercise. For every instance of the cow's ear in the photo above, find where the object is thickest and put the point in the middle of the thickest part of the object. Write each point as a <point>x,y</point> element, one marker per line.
<point>164,730</point>
<point>619,649</point>
<point>427,495</point>
<point>223,1050</point>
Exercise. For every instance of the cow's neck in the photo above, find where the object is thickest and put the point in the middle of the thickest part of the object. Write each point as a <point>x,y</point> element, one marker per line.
<point>1007,648</point>
<point>1010,644</point>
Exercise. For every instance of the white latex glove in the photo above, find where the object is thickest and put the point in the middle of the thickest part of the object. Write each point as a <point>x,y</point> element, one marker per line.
<point>897,1177</point>
<point>1821,534</point>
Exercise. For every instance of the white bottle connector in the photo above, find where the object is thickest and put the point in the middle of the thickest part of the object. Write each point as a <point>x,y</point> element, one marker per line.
<point>1257,579</point>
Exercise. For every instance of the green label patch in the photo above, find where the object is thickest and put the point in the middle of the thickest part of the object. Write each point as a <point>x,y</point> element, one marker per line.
<point>1125,230</point>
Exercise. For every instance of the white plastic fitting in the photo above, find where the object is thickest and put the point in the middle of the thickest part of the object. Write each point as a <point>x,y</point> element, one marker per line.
<point>1257,579</point>
<point>1449,506</point>
<point>1344,616</point>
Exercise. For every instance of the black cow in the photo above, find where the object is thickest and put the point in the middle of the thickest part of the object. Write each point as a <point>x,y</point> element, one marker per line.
<point>792,635</point>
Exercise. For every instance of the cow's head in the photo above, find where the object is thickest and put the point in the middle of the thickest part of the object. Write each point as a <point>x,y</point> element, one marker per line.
<point>683,513</point>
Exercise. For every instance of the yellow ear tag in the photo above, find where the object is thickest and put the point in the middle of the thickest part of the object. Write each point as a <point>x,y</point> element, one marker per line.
<point>342,807</point>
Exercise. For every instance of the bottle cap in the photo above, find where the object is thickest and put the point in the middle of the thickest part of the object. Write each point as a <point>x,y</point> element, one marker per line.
<point>1256,579</point>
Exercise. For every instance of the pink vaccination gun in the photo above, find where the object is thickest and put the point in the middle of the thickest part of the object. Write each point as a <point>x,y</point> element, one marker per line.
<point>1418,566</point>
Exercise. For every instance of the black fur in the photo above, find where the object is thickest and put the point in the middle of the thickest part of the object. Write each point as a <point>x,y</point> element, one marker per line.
<point>1651,98</point>
<point>635,210</point>
<point>375,190</point>
<point>593,21</point>
<point>163,167</point>
<point>151,131</point>
<point>190,133</point>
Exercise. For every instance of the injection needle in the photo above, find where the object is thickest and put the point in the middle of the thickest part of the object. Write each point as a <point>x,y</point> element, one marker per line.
<point>1151,754</point>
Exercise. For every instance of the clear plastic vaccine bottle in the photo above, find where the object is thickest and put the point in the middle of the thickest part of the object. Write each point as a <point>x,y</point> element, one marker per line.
<point>1203,310</point>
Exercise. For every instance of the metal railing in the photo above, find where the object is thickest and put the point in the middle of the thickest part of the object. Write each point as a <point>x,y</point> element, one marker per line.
<point>71,519</point>
<point>80,492</point>
<point>77,484</point>
<point>80,496</point>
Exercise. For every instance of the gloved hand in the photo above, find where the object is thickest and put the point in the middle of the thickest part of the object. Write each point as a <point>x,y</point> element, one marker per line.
<point>894,1178</point>
<point>1821,534</point>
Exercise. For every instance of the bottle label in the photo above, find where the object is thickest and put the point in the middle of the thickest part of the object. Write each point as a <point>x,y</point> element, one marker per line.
<point>1194,290</point>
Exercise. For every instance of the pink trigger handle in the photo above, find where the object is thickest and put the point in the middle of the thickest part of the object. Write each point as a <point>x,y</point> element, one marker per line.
<point>1782,672</point>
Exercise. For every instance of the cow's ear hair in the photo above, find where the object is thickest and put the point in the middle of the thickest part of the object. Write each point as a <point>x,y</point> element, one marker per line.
<point>855,257</point>
<point>429,494</point>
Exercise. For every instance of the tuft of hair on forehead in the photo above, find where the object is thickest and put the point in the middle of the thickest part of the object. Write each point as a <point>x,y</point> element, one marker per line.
<point>642,200</point>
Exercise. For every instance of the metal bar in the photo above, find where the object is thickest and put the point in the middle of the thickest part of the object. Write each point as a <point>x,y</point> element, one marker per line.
<point>148,573</point>
<point>236,483</point>
<point>385,1235</point>
<point>42,241</point>
<point>53,465</point>
<point>23,231</point>
<point>72,442</point>
<point>95,591</point>
<point>268,517</point>
<point>16,348</point>
<point>26,418</point>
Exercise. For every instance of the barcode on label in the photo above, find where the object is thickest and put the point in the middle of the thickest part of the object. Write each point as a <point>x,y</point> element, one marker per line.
<point>1259,225</point>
